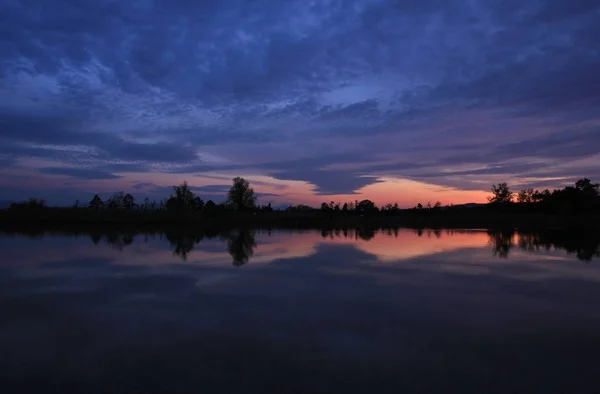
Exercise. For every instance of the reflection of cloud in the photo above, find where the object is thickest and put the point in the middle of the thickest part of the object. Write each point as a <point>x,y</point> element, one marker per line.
<point>409,245</point>
<point>521,265</point>
<point>469,253</point>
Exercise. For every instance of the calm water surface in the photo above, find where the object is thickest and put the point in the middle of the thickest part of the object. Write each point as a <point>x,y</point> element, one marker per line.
<point>300,312</point>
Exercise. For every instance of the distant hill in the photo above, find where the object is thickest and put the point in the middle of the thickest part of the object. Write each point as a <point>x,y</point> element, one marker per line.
<point>468,205</point>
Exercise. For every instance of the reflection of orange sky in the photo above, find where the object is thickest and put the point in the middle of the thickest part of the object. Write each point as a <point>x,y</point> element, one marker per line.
<point>278,246</point>
<point>385,247</point>
<point>410,245</point>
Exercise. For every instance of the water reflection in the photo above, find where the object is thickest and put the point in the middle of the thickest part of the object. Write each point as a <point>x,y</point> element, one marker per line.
<point>584,245</point>
<point>183,243</point>
<point>502,241</point>
<point>387,245</point>
<point>240,245</point>
<point>480,311</point>
<point>365,234</point>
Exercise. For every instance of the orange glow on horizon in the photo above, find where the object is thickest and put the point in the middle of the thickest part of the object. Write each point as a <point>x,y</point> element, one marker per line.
<point>407,193</point>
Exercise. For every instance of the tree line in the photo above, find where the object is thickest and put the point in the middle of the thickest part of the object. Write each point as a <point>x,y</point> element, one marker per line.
<point>583,196</point>
<point>240,197</point>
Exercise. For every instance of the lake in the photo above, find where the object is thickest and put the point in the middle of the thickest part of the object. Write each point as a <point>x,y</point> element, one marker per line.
<point>320,311</point>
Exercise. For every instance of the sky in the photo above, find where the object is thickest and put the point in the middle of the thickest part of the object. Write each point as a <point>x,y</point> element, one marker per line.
<point>311,101</point>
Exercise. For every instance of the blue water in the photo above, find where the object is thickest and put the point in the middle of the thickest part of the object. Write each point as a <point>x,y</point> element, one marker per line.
<point>299,312</point>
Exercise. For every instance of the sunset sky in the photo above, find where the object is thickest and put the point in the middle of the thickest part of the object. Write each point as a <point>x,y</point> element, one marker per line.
<point>395,101</point>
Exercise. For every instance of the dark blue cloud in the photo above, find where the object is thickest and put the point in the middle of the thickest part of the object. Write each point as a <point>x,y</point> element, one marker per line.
<point>329,182</point>
<point>570,144</point>
<point>157,86</point>
<point>264,198</point>
<point>143,185</point>
<point>31,135</point>
<point>6,162</point>
<point>217,189</point>
<point>83,173</point>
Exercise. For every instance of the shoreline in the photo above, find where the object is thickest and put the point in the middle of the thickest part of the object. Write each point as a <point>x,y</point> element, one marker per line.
<point>81,219</point>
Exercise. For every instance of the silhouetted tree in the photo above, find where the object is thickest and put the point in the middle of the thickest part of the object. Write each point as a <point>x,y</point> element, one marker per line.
<point>526,196</point>
<point>501,194</point>
<point>586,185</point>
<point>116,201</point>
<point>128,202</point>
<point>542,196</point>
<point>266,208</point>
<point>582,197</point>
<point>96,202</point>
<point>345,207</point>
<point>30,205</point>
<point>366,206</point>
<point>587,193</point>
<point>241,195</point>
<point>299,208</point>
<point>181,199</point>
<point>198,203</point>
<point>172,204</point>
<point>210,206</point>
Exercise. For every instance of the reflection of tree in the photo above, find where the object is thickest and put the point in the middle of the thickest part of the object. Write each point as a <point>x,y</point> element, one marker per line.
<point>584,245</point>
<point>127,239</point>
<point>183,243</point>
<point>365,234</point>
<point>96,238</point>
<point>116,240</point>
<point>240,245</point>
<point>502,241</point>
